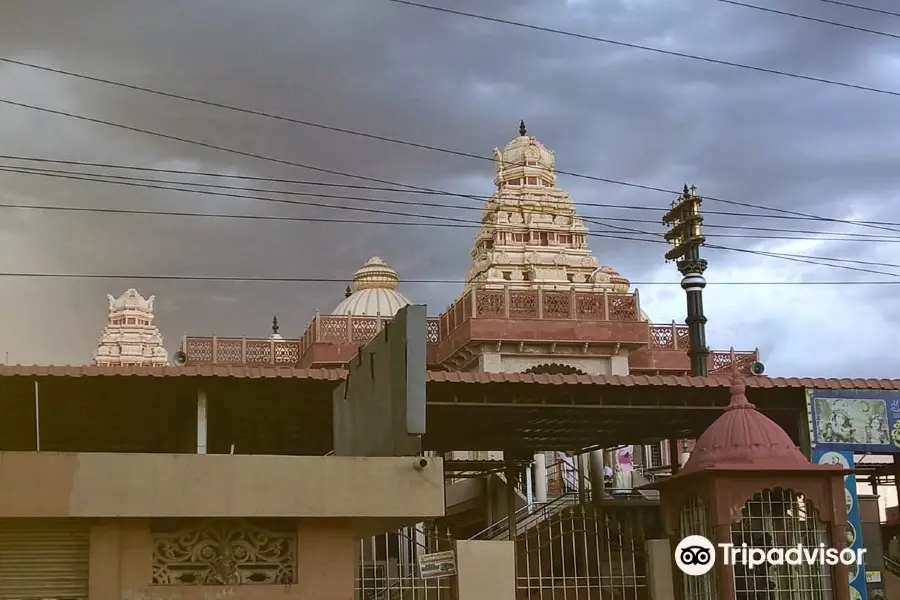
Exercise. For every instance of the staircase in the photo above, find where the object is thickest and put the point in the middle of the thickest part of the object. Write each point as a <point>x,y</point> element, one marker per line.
<point>564,481</point>
<point>891,577</point>
<point>527,517</point>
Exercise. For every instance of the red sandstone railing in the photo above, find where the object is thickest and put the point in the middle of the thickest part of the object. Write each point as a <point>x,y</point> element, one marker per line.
<point>506,303</point>
<point>483,303</point>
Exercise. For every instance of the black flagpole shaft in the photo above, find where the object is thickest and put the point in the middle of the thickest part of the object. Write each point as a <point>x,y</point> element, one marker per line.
<point>693,282</point>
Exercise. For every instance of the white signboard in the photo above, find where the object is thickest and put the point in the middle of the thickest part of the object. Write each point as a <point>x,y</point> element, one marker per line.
<point>437,564</point>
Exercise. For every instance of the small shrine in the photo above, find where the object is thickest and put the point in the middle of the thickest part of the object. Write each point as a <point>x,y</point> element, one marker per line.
<point>746,482</point>
<point>130,338</point>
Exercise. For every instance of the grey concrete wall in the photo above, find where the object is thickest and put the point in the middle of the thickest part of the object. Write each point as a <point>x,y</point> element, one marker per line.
<point>380,409</point>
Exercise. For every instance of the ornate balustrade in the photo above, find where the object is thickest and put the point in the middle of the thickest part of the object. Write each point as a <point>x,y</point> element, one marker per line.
<point>507,303</point>
<point>241,351</point>
<point>482,303</point>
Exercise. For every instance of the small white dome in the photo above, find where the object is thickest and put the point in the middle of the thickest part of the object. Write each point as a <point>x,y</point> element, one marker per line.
<point>375,292</point>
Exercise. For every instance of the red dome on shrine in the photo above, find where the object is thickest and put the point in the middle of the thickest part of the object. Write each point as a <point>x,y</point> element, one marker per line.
<point>745,439</point>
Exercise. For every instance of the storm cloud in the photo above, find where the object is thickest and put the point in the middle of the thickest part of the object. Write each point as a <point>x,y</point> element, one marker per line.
<point>463,84</point>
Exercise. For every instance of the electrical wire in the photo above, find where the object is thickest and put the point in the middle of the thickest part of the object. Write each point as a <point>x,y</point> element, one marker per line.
<point>858,7</point>
<point>808,18</point>
<point>359,134</point>
<point>886,225</point>
<point>95,177</point>
<point>278,160</point>
<point>443,220</point>
<point>452,222</point>
<point>601,40</point>
<point>148,277</point>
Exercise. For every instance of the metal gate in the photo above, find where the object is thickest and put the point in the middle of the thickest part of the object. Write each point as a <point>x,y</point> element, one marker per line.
<point>388,566</point>
<point>587,553</point>
<point>43,559</point>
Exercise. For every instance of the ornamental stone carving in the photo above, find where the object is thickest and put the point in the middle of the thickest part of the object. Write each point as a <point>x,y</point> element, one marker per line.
<point>130,338</point>
<point>533,224</point>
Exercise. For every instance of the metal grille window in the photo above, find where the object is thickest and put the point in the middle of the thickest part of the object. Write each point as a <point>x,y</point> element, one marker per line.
<point>781,519</point>
<point>694,520</point>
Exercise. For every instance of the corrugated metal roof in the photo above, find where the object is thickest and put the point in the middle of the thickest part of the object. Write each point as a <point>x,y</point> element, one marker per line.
<point>269,372</point>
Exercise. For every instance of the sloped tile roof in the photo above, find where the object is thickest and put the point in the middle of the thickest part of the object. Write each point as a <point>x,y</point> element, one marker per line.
<point>269,372</point>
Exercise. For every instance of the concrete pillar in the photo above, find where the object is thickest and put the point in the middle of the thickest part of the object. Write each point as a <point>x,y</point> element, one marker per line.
<point>529,487</point>
<point>596,462</point>
<point>201,422</point>
<point>540,477</point>
<point>582,480</point>
<point>674,454</point>
<point>489,494</point>
<point>659,570</point>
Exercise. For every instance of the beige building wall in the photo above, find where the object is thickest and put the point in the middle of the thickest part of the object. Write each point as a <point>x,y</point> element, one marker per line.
<point>486,570</point>
<point>334,502</point>
<point>370,494</point>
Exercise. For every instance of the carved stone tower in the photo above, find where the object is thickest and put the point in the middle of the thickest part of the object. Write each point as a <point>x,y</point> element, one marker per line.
<point>531,234</point>
<point>130,337</point>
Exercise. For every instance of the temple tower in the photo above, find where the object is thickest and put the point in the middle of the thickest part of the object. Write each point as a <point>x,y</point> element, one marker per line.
<point>130,337</point>
<point>532,244</point>
<point>531,234</point>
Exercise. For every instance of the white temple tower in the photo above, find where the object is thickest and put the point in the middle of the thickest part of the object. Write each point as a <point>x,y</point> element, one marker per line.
<point>130,337</point>
<point>531,234</point>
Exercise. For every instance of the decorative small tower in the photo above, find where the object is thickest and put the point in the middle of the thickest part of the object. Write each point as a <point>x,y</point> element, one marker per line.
<point>130,337</point>
<point>747,483</point>
<point>275,335</point>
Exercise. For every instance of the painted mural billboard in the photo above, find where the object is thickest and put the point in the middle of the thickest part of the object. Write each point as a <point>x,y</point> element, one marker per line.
<point>860,421</point>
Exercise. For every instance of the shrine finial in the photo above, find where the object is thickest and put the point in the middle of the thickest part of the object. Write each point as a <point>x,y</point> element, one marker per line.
<point>522,130</point>
<point>738,387</point>
<point>348,292</point>
<point>274,325</point>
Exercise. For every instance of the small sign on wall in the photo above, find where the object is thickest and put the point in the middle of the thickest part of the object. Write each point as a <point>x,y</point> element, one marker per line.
<point>437,564</point>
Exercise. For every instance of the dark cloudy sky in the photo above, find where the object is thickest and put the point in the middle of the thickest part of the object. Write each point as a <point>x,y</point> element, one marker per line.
<point>463,84</point>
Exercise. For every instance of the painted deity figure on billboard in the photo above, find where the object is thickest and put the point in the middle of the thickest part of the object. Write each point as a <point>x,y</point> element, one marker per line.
<point>852,421</point>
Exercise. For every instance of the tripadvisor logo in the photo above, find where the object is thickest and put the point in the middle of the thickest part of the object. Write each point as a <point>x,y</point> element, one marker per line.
<point>695,555</point>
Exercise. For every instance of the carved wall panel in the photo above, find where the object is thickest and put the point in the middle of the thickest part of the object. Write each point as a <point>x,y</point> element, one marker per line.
<point>224,552</point>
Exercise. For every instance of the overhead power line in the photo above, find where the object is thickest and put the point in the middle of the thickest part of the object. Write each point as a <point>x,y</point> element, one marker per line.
<point>887,225</point>
<point>808,18</point>
<point>355,133</point>
<point>149,277</point>
<point>603,221</point>
<point>442,220</point>
<point>601,40</point>
<point>865,8</point>
<point>436,221</point>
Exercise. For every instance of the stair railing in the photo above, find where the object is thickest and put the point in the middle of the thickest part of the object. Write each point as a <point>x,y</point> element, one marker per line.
<point>526,515</point>
<point>892,566</point>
